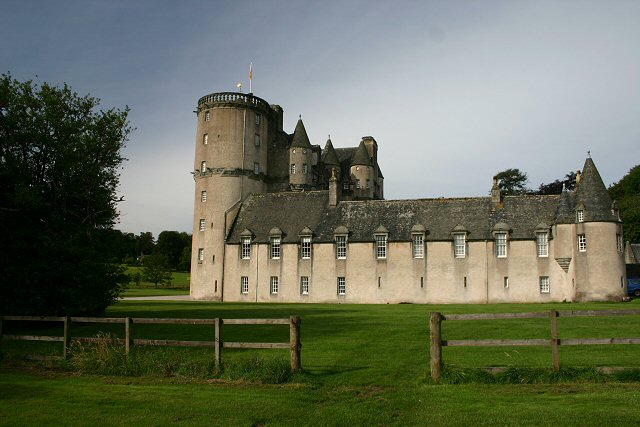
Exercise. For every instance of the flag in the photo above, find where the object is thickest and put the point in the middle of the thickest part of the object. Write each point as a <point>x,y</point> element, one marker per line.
<point>251,71</point>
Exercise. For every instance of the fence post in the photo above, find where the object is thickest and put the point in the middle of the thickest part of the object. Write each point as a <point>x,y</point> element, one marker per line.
<point>435,332</point>
<point>294,342</point>
<point>217,325</point>
<point>128,335</point>
<point>66,341</point>
<point>554,340</point>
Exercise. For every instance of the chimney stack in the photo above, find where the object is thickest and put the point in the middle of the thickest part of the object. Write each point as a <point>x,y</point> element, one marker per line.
<point>496,195</point>
<point>333,188</point>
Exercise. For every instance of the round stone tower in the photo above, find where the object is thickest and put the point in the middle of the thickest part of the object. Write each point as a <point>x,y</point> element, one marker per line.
<point>230,163</point>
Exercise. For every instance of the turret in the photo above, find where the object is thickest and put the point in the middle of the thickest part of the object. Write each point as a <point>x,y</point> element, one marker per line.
<point>300,159</point>
<point>329,159</point>
<point>362,174</point>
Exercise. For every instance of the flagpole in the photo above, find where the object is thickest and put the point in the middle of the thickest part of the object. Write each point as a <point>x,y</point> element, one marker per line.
<point>250,76</point>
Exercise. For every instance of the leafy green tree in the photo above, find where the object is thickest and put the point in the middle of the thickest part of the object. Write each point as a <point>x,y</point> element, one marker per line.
<point>512,182</point>
<point>185,259</point>
<point>59,162</point>
<point>145,243</point>
<point>172,244</point>
<point>555,187</point>
<point>156,269</point>
<point>626,192</point>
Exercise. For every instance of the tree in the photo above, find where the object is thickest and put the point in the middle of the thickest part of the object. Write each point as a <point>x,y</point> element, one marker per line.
<point>626,192</point>
<point>555,187</point>
<point>156,269</point>
<point>145,243</point>
<point>172,244</point>
<point>59,161</point>
<point>512,182</point>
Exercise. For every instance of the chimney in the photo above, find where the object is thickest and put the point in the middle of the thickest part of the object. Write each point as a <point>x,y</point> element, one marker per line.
<point>333,188</point>
<point>496,195</point>
<point>578,177</point>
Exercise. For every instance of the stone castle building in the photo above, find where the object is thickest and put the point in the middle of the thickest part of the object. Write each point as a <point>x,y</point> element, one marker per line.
<point>278,219</point>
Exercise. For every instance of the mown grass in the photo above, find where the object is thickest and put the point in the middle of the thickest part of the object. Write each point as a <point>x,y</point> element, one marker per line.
<point>363,364</point>
<point>179,285</point>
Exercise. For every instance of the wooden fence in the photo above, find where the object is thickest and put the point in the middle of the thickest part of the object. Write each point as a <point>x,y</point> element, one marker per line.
<point>435,328</point>
<point>294,344</point>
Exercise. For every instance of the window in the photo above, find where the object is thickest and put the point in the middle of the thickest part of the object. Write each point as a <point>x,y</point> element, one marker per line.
<point>545,286</point>
<point>417,241</point>
<point>256,140</point>
<point>304,285</point>
<point>580,215</point>
<point>258,119</point>
<point>542,243</point>
<point>459,245</point>
<point>342,286</point>
<point>256,168</point>
<point>381,246</point>
<point>203,166</point>
<point>464,281</point>
<point>582,243</point>
<point>341,247</point>
<point>357,183</point>
<point>501,245</point>
<point>293,168</point>
<point>205,138</point>
<point>275,247</point>
<point>345,185</point>
<point>274,285</point>
<point>304,169</point>
<point>245,251</point>
<point>368,183</point>
<point>207,116</point>
<point>505,282</point>
<point>203,196</point>
<point>200,255</point>
<point>305,247</point>
<point>244,284</point>
<point>619,242</point>
<point>202,224</point>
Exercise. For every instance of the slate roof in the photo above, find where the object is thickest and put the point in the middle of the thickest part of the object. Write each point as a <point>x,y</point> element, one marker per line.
<point>300,138</point>
<point>361,156</point>
<point>593,195</point>
<point>293,211</point>
<point>329,156</point>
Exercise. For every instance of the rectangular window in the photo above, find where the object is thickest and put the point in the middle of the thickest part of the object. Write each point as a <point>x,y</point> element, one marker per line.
<point>275,247</point>
<point>244,284</point>
<point>304,169</point>
<point>256,140</point>
<point>202,224</point>
<point>203,196</point>
<point>207,116</point>
<point>342,286</point>
<point>542,243</point>
<point>200,255</point>
<point>274,285</point>
<point>246,248</point>
<point>257,119</point>
<point>203,166</point>
<point>459,245</point>
<point>293,168</point>
<point>418,245</point>
<point>305,247</point>
<point>505,282</point>
<point>545,285</point>
<point>304,285</point>
<point>205,138</point>
<point>368,184</point>
<point>619,242</point>
<point>501,245</point>
<point>341,247</point>
<point>580,215</point>
<point>256,168</point>
<point>381,246</point>
<point>357,183</point>
<point>582,243</point>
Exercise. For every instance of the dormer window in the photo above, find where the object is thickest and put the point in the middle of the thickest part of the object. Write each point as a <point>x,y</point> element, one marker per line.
<point>380,236</point>
<point>245,244</point>
<point>580,215</point>
<point>542,244</point>
<point>305,243</point>
<point>459,245</point>
<point>340,235</point>
<point>274,245</point>
<point>417,241</point>
<point>501,244</point>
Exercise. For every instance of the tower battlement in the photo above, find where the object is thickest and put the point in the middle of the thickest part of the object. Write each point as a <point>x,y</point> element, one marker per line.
<point>233,99</point>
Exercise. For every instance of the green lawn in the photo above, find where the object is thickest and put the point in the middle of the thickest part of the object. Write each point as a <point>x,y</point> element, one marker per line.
<point>179,285</point>
<point>364,364</point>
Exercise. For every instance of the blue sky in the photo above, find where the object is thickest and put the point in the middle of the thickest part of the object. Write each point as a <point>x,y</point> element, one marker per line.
<point>453,91</point>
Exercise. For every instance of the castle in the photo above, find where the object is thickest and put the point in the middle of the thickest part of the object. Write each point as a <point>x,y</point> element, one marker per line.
<point>277,219</point>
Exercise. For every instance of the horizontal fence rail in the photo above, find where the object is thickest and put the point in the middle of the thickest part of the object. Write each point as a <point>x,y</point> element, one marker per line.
<point>436,341</point>
<point>129,341</point>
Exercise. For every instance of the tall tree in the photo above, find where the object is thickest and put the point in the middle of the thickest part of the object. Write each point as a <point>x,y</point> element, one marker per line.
<point>172,244</point>
<point>512,182</point>
<point>156,269</point>
<point>59,161</point>
<point>626,192</point>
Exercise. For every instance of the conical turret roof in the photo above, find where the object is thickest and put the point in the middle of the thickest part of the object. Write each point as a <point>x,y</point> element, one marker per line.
<point>300,138</point>
<point>329,156</point>
<point>361,156</point>
<point>592,193</point>
<point>566,210</point>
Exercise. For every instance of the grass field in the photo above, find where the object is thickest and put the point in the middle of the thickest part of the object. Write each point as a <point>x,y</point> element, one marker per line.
<point>179,285</point>
<point>363,365</point>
